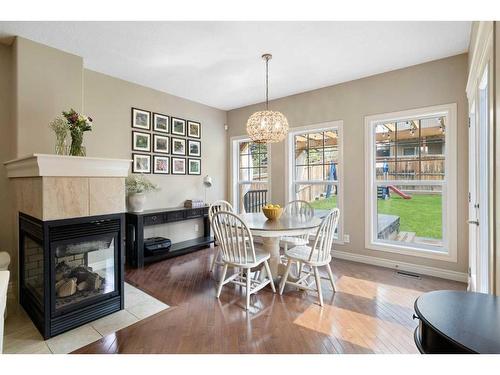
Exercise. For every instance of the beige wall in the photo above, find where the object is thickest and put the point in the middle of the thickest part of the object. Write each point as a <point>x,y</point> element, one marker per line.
<point>437,82</point>
<point>47,81</point>
<point>7,149</point>
<point>108,101</point>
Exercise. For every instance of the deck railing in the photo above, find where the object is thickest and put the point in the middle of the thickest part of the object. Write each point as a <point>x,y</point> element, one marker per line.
<point>254,200</point>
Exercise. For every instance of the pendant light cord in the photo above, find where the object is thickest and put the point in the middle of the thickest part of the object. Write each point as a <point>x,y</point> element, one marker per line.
<point>267,84</point>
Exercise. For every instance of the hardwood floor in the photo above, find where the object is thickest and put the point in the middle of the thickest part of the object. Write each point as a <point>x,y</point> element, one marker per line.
<point>371,312</point>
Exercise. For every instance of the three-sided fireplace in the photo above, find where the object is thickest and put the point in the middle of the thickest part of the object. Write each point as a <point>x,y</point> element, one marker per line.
<point>71,270</point>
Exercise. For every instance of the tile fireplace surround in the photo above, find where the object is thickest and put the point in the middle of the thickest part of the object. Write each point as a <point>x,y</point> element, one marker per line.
<point>69,211</point>
<point>52,187</point>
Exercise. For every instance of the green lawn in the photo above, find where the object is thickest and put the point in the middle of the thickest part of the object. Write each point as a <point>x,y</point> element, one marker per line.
<point>325,204</point>
<point>420,214</point>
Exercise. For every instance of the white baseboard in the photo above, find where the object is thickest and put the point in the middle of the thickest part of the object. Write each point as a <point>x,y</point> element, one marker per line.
<point>415,268</point>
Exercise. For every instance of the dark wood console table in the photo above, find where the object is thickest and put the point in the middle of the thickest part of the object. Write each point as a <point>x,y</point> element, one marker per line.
<point>457,322</point>
<point>136,221</point>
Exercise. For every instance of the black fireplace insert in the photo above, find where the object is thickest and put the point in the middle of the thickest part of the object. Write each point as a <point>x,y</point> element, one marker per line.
<point>71,270</point>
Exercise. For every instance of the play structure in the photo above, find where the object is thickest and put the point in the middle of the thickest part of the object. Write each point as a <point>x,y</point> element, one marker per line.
<point>383,192</point>
<point>332,175</point>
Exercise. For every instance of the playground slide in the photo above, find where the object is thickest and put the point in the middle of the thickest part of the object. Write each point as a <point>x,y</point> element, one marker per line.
<point>399,192</point>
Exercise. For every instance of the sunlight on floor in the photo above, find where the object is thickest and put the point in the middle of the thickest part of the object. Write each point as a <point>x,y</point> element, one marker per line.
<point>356,328</point>
<point>404,297</point>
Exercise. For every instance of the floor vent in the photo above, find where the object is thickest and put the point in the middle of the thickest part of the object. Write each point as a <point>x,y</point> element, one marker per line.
<point>408,274</point>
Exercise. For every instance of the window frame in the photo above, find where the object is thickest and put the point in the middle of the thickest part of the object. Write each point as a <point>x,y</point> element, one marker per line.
<point>448,252</point>
<point>235,171</point>
<point>291,169</point>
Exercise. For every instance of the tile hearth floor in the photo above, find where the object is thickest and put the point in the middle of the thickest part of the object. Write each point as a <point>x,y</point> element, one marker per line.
<point>21,336</point>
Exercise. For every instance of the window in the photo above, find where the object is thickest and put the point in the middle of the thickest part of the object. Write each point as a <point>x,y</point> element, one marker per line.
<point>411,184</point>
<point>251,169</point>
<point>314,157</point>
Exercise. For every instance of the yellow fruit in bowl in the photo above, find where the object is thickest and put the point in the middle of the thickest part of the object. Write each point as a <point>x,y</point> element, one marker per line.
<point>272,211</point>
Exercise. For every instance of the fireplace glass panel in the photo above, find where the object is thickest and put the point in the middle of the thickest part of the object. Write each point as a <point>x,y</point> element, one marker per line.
<point>33,268</point>
<point>84,269</point>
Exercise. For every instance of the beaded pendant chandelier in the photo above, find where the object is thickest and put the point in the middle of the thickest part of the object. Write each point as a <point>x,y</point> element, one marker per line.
<point>267,126</point>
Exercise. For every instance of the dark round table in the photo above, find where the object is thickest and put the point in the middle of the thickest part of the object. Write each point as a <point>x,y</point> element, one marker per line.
<point>457,322</point>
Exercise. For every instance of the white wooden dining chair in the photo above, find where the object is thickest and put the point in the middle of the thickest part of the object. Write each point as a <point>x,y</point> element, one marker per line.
<point>238,251</point>
<point>219,205</point>
<point>315,256</point>
<point>297,208</point>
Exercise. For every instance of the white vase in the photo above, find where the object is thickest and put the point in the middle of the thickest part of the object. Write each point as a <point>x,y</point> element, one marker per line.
<point>136,202</point>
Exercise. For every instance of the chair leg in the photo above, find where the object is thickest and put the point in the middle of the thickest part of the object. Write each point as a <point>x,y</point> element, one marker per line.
<point>214,261</point>
<point>299,269</point>
<point>270,275</point>
<point>330,275</point>
<point>285,276</point>
<point>318,285</point>
<point>249,279</point>
<point>222,278</point>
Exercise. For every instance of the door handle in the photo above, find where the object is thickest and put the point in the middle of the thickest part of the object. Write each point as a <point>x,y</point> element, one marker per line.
<point>475,222</point>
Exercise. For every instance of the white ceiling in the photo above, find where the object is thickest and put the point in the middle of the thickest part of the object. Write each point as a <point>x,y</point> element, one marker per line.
<point>219,64</point>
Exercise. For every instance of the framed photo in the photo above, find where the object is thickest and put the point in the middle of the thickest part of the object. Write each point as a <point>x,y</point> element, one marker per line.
<point>161,143</point>
<point>160,123</point>
<point>161,164</point>
<point>194,166</point>
<point>141,141</point>
<point>194,129</point>
<point>194,148</point>
<point>178,146</point>
<point>178,126</point>
<point>141,119</point>
<point>141,163</point>
<point>178,165</point>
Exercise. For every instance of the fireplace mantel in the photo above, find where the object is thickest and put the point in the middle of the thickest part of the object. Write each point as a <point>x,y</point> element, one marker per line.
<point>45,165</point>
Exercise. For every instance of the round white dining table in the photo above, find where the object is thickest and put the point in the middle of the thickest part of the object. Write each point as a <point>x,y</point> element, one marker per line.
<point>272,230</point>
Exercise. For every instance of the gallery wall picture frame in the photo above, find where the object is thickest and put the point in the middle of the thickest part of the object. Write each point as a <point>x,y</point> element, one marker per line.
<point>161,144</point>
<point>141,163</point>
<point>194,148</point>
<point>194,129</point>
<point>178,165</point>
<point>161,164</point>
<point>141,141</point>
<point>178,126</point>
<point>178,146</point>
<point>194,166</point>
<point>161,123</point>
<point>141,119</point>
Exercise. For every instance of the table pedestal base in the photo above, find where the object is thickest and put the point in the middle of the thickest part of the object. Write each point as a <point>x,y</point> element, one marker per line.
<point>272,246</point>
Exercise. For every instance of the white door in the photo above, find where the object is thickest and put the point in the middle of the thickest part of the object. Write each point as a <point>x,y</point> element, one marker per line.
<point>479,183</point>
<point>473,200</point>
<point>483,123</point>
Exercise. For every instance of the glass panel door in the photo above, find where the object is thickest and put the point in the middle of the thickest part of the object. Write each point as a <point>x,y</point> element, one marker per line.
<point>84,270</point>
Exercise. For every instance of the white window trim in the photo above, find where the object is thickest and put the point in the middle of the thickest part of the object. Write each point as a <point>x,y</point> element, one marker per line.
<point>449,250</point>
<point>289,170</point>
<point>234,165</point>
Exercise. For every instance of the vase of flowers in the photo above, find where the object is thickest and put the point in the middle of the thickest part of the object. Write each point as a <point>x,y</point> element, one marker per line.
<point>137,187</point>
<point>60,127</point>
<point>77,125</point>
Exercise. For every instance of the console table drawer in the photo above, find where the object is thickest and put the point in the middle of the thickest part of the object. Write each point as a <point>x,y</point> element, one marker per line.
<point>175,216</point>
<point>154,219</point>
<point>195,212</point>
